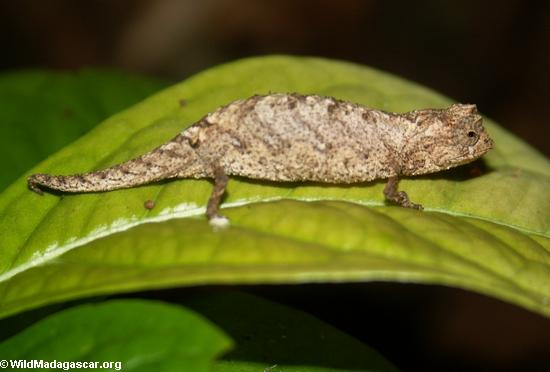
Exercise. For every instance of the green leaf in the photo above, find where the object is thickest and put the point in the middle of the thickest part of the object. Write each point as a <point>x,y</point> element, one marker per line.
<point>267,334</point>
<point>141,335</point>
<point>42,111</point>
<point>297,242</point>
<point>488,233</point>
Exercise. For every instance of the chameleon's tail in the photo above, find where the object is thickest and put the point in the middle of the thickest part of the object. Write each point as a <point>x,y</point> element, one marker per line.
<point>166,161</point>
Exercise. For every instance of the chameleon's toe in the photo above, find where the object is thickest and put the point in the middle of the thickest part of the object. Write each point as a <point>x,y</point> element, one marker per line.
<point>404,201</point>
<point>219,222</point>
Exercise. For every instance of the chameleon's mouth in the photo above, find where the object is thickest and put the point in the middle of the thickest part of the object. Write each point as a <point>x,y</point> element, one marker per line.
<point>487,144</point>
<point>471,154</point>
<point>467,154</point>
<point>461,159</point>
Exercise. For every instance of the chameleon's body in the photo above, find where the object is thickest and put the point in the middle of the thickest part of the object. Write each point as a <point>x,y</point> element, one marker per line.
<point>291,137</point>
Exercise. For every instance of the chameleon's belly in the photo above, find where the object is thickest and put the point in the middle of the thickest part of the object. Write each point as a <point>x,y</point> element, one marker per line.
<point>300,162</point>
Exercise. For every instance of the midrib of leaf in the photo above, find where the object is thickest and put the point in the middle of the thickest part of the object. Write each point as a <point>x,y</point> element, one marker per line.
<point>195,210</point>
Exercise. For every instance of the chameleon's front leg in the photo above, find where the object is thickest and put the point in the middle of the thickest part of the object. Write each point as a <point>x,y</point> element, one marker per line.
<point>399,197</point>
<point>212,209</point>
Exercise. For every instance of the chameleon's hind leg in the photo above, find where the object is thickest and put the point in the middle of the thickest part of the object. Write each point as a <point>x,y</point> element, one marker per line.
<point>212,209</point>
<point>399,197</point>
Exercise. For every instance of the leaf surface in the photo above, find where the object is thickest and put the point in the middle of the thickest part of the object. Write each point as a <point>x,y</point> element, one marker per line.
<point>141,335</point>
<point>486,226</point>
<point>42,111</point>
<point>298,242</point>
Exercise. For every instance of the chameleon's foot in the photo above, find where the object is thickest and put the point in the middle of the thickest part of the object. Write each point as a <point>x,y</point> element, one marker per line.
<point>219,222</point>
<point>404,201</point>
<point>399,197</point>
<point>220,182</point>
<point>34,183</point>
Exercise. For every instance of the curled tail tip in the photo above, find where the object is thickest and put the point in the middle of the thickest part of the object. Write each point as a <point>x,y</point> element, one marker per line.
<point>34,181</point>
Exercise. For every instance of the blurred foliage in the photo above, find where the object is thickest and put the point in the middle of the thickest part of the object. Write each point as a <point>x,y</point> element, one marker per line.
<point>42,111</point>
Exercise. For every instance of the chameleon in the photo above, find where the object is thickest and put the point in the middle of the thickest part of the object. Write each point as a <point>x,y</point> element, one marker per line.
<point>298,138</point>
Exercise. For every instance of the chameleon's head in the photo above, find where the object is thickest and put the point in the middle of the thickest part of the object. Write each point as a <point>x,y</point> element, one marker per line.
<point>445,139</point>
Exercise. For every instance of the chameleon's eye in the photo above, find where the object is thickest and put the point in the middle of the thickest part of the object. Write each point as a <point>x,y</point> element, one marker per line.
<point>472,137</point>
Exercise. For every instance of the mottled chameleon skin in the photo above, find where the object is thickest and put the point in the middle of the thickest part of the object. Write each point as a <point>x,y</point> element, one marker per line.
<point>292,137</point>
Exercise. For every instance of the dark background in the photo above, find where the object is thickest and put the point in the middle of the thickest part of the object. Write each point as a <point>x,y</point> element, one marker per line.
<point>494,54</point>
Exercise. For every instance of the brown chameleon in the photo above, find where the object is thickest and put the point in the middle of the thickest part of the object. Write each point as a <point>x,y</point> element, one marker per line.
<point>293,137</point>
